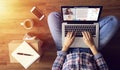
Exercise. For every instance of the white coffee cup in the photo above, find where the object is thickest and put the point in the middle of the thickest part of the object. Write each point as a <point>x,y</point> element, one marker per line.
<point>27,24</point>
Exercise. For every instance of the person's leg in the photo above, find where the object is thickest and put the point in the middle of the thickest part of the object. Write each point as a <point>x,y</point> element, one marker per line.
<point>108,27</point>
<point>55,24</point>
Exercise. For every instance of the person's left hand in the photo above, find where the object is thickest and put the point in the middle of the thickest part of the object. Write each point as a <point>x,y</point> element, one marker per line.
<point>68,41</point>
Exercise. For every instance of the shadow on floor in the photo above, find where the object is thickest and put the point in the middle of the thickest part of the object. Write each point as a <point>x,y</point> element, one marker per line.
<point>111,52</point>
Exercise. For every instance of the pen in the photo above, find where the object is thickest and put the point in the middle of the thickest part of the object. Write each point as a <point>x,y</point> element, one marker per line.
<point>24,54</point>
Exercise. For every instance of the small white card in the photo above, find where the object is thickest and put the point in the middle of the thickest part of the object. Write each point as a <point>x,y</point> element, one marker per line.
<point>25,54</point>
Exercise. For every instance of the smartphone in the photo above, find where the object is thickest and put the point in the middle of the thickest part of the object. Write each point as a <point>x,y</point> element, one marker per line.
<point>37,12</point>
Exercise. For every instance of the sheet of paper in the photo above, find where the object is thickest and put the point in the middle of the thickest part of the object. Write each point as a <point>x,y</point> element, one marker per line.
<point>28,56</point>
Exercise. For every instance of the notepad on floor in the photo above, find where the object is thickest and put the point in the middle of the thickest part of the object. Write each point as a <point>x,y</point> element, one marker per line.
<point>25,54</point>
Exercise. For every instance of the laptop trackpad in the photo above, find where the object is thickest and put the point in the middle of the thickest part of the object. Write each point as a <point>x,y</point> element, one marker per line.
<point>78,42</point>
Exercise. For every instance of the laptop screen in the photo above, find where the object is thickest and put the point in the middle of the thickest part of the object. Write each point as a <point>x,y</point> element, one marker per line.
<point>79,13</point>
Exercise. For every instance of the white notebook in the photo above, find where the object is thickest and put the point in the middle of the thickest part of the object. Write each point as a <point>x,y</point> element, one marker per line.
<point>25,54</point>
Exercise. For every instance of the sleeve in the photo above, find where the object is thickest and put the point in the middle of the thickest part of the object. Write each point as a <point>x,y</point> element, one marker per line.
<point>57,65</point>
<point>100,62</point>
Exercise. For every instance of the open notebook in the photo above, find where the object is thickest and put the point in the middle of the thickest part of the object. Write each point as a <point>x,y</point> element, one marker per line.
<point>25,54</point>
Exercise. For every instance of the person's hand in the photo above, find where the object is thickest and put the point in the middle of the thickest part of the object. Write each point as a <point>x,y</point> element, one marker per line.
<point>88,39</point>
<point>89,42</point>
<point>68,41</point>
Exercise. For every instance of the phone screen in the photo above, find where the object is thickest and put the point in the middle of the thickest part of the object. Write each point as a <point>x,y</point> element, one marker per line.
<point>37,12</point>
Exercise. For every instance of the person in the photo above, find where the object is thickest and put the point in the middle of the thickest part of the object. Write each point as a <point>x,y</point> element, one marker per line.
<point>68,14</point>
<point>80,58</point>
<point>68,11</point>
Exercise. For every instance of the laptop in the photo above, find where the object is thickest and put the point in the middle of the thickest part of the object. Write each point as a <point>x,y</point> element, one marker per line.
<point>78,19</point>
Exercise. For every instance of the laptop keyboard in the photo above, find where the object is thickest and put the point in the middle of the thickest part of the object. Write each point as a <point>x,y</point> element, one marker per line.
<point>80,28</point>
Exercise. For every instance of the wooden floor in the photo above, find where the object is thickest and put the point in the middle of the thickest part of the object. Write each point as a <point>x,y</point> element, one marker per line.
<point>13,12</point>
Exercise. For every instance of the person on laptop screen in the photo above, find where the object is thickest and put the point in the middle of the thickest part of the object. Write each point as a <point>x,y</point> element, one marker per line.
<point>69,14</point>
<point>68,11</point>
<point>80,58</point>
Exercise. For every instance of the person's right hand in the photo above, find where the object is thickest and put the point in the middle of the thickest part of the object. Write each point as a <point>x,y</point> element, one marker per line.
<point>89,42</point>
<point>88,39</point>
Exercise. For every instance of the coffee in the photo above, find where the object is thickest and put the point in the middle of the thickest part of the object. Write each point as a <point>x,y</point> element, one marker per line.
<point>28,24</point>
